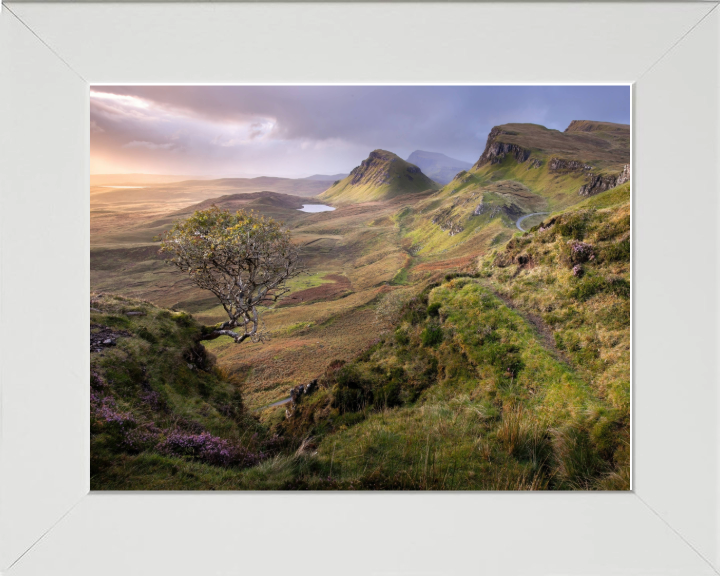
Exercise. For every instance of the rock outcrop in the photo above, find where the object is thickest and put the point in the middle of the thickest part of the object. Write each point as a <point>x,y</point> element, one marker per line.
<point>104,337</point>
<point>447,222</point>
<point>561,165</point>
<point>624,175</point>
<point>599,183</point>
<point>496,150</point>
<point>512,211</point>
<point>297,392</point>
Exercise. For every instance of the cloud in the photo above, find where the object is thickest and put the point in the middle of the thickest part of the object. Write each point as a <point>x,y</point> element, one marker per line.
<point>322,129</point>
<point>148,145</point>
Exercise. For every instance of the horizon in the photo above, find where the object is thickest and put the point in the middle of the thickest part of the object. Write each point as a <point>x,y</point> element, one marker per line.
<point>214,132</point>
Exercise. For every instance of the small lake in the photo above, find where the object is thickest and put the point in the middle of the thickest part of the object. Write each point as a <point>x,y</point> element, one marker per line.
<point>316,208</point>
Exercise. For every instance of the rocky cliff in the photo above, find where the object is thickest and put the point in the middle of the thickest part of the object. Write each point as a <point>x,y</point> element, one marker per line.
<point>496,149</point>
<point>561,165</point>
<point>599,183</point>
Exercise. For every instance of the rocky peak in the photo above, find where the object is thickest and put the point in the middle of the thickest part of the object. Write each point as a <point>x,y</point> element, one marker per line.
<point>379,167</point>
<point>381,176</point>
<point>496,150</point>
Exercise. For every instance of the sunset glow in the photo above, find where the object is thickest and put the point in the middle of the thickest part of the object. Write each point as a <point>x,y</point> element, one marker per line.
<point>296,131</point>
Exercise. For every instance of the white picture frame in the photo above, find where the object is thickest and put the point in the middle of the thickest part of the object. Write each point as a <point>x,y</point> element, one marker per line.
<point>49,522</point>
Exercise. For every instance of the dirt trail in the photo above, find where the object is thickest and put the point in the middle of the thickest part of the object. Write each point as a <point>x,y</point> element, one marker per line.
<point>526,217</point>
<point>278,403</point>
<point>543,330</point>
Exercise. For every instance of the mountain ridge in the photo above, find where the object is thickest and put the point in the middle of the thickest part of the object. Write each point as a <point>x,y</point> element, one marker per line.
<point>440,167</point>
<point>326,177</point>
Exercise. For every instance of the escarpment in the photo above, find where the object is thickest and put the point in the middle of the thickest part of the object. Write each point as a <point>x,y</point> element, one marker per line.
<point>496,150</point>
<point>599,183</point>
<point>561,165</point>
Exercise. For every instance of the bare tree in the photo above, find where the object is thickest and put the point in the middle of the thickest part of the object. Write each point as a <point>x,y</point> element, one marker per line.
<point>242,258</point>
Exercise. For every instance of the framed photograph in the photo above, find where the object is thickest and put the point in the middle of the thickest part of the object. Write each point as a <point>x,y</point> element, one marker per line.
<point>429,287</point>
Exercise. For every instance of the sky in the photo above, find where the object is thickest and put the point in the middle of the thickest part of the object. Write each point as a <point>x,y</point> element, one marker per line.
<point>297,131</point>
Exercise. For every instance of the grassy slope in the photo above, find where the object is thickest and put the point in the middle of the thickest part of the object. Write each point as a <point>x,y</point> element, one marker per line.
<point>590,314</point>
<point>387,251</point>
<point>447,219</point>
<point>516,378</point>
<point>379,179</point>
<point>604,145</point>
<point>154,383</point>
<point>471,392</point>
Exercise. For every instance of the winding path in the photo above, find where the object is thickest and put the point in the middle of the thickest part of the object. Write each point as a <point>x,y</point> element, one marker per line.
<point>278,403</point>
<point>526,217</point>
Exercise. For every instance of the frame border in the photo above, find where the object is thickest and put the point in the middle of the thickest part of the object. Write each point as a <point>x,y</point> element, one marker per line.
<point>667,525</point>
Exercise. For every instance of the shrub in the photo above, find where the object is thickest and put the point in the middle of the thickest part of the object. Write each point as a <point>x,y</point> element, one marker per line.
<point>154,401</point>
<point>106,419</point>
<point>434,309</point>
<point>141,438</point>
<point>353,391</point>
<point>432,335</point>
<point>401,337</point>
<point>387,395</point>
<point>580,252</point>
<point>183,319</point>
<point>208,448</point>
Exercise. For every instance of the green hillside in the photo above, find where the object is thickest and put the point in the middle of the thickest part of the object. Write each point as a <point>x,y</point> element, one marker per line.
<point>524,169</point>
<point>450,342</point>
<point>162,414</point>
<point>515,376</point>
<point>381,176</point>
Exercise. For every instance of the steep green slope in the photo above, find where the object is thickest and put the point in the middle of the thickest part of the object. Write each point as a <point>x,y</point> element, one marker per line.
<point>162,416</point>
<point>589,157</point>
<point>524,169</point>
<point>381,176</point>
<point>517,378</point>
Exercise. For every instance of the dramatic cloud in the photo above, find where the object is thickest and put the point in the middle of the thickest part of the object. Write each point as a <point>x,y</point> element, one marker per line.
<point>301,130</point>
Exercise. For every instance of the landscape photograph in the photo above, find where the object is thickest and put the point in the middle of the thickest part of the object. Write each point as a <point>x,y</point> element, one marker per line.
<point>339,287</point>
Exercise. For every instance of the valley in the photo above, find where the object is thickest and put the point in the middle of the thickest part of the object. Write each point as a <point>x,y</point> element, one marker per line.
<point>472,334</point>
